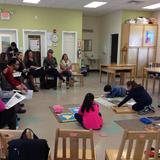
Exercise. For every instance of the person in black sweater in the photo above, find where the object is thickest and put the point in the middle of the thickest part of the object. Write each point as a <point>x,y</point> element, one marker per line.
<point>140,95</point>
<point>12,51</point>
<point>34,70</point>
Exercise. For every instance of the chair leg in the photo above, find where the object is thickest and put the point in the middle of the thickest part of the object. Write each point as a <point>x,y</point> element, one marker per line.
<point>159,85</point>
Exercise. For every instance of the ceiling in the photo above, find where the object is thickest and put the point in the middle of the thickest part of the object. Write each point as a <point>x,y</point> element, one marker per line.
<point>78,4</point>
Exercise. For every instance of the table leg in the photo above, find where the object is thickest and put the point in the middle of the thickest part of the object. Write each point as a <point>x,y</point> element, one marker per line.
<point>122,77</point>
<point>154,82</point>
<point>143,76</point>
<point>100,71</point>
<point>146,81</point>
<point>159,85</point>
<point>108,78</point>
<point>113,77</point>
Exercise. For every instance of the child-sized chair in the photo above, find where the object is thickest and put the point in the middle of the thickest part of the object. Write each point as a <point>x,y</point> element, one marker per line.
<point>76,72</point>
<point>138,146</point>
<point>74,145</point>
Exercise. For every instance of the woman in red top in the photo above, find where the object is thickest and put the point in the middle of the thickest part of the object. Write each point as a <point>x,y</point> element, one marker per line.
<point>8,72</point>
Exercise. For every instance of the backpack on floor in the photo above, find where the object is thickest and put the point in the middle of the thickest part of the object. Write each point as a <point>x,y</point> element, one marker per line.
<point>28,149</point>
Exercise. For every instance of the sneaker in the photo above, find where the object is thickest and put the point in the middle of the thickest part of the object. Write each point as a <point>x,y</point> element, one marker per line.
<point>151,108</point>
<point>21,111</point>
<point>146,110</point>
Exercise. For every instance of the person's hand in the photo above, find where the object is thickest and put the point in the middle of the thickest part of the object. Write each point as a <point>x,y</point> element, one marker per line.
<point>24,87</point>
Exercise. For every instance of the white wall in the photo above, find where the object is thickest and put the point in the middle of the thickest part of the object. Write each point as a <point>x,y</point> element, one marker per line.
<point>90,22</point>
<point>157,15</point>
<point>110,24</point>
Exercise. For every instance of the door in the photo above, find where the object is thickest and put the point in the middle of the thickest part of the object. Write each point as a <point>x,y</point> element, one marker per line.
<point>6,37</point>
<point>114,48</point>
<point>69,45</point>
<point>36,41</point>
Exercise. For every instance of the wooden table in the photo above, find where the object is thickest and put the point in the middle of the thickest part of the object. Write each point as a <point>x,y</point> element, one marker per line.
<point>146,71</point>
<point>112,69</point>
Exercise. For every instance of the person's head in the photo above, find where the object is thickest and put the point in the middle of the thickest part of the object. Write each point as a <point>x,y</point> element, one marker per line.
<point>3,67</point>
<point>28,54</point>
<point>20,56</point>
<point>14,63</point>
<point>50,53</point>
<point>107,88</point>
<point>88,102</point>
<point>13,45</point>
<point>64,57</point>
<point>3,56</point>
<point>131,85</point>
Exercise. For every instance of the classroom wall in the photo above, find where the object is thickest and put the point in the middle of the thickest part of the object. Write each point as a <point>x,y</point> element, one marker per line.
<point>47,19</point>
<point>93,23</point>
<point>110,24</point>
<point>157,15</point>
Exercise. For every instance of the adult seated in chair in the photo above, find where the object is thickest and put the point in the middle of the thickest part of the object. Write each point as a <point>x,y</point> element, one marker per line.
<point>50,64</point>
<point>7,116</point>
<point>12,51</point>
<point>66,66</point>
<point>34,70</point>
<point>8,82</point>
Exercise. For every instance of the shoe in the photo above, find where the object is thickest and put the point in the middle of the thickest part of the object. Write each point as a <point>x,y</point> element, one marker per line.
<point>158,106</point>
<point>20,111</point>
<point>146,110</point>
<point>151,108</point>
<point>21,105</point>
<point>35,90</point>
<point>18,119</point>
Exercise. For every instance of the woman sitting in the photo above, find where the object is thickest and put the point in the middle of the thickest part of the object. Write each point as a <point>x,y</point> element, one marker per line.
<point>34,71</point>
<point>50,64</point>
<point>7,116</point>
<point>65,66</point>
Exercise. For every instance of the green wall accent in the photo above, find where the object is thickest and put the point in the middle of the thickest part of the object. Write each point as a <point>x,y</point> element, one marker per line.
<point>48,19</point>
<point>128,14</point>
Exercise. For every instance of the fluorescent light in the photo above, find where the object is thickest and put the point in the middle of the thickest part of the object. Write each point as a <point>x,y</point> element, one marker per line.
<point>95,4</point>
<point>31,1</point>
<point>154,6</point>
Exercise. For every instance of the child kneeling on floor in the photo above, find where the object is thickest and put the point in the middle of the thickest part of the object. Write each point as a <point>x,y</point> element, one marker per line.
<point>140,95</point>
<point>114,91</point>
<point>88,115</point>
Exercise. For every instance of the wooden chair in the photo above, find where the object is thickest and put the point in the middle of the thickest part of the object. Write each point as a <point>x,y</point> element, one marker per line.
<point>8,135</point>
<point>138,146</point>
<point>74,145</point>
<point>76,72</point>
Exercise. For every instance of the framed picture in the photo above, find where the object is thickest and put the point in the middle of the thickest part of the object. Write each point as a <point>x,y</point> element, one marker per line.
<point>87,45</point>
<point>5,41</point>
<point>149,37</point>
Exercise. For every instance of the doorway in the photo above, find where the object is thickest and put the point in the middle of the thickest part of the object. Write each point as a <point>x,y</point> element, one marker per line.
<point>69,45</point>
<point>114,48</point>
<point>36,41</point>
<point>6,37</point>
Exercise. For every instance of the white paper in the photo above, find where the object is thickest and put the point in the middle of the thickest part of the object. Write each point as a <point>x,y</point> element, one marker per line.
<point>29,94</point>
<point>103,102</point>
<point>17,74</point>
<point>15,99</point>
<point>38,68</point>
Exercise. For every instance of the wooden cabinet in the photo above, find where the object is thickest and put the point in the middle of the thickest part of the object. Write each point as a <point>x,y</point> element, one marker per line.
<point>140,41</point>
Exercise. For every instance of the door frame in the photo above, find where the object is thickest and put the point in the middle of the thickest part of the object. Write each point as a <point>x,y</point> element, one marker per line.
<point>63,32</point>
<point>45,40</point>
<point>12,29</point>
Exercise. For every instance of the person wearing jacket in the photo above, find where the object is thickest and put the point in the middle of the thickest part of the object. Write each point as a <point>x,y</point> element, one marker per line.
<point>140,95</point>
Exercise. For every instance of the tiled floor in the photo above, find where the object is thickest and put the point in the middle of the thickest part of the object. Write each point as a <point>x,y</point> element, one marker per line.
<point>41,120</point>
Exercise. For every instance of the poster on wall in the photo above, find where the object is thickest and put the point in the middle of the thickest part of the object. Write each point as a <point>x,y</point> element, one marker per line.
<point>149,38</point>
<point>4,42</point>
<point>34,45</point>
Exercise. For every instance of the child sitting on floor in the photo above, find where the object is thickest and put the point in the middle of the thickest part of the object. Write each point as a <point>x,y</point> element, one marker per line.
<point>142,98</point>
<point>88,115</point>
<point>114,91</point>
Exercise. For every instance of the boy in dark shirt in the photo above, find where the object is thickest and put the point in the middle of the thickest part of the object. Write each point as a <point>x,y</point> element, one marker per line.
<point>140,95</point>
